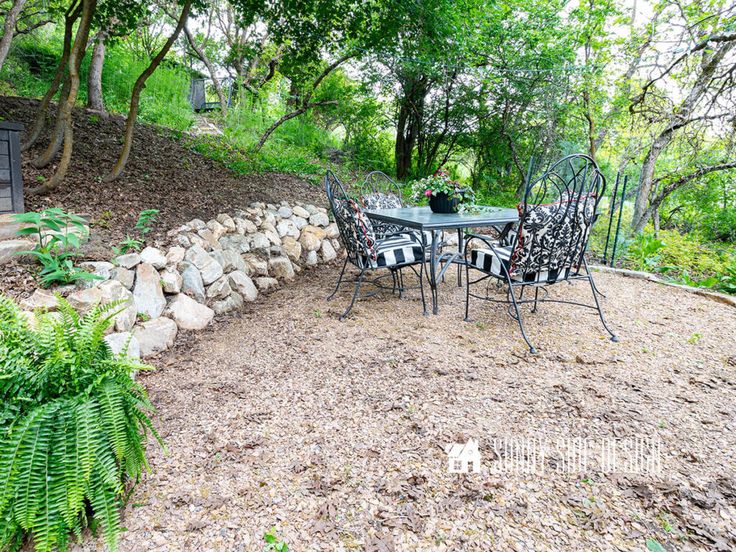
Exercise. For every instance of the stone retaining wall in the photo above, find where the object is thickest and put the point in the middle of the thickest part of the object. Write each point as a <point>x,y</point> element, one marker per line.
<point>213,268</point>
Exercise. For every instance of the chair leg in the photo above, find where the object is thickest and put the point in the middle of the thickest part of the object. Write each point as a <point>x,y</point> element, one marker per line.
<point>355,294</point>
<point>401,284</point>
<point>532,350</point>
<point>614,337</point>
<point>339,280</point>
<point>393,277</point>
<point>421,288</point>
<point>467,293</point>
<point>536,297</point>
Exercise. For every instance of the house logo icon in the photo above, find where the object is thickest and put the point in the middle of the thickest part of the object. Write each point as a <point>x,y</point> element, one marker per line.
<point>462,458</point>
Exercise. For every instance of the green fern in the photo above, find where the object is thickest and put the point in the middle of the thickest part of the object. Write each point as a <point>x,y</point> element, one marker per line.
<point>73,426</point>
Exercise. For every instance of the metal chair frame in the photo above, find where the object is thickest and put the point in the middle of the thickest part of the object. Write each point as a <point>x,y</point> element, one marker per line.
<point>569,180</point>
<point>356,252</point>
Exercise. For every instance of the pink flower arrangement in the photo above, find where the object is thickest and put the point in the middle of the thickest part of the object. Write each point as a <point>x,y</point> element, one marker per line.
<point>428,193</point>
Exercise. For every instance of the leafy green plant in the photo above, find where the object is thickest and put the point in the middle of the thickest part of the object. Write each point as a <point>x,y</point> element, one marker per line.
<point>145,223</point>
<point>643,251</point>
<point>127,245</point>
<point>57,235</point>
<point>273,544</point>
<point>146,220</point>
<point>73,424</point>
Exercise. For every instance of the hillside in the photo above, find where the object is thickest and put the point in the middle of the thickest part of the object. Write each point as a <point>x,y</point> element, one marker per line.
<point>162,173</point>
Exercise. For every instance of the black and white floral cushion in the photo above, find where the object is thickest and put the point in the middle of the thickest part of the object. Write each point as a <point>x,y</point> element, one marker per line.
<point>358,227</point>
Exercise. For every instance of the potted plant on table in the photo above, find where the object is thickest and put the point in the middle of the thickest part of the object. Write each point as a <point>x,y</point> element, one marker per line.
<point>444,194</point>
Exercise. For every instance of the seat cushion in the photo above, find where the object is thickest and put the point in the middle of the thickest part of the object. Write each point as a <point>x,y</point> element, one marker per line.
<point>381,200</point>
<point>491,261</point>
<point>394,251</point>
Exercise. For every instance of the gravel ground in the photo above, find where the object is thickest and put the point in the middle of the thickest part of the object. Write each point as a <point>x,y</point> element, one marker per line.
<point>333,433</point>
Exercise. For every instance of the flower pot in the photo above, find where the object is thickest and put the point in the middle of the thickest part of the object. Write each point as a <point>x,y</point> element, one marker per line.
<point>442,203</point>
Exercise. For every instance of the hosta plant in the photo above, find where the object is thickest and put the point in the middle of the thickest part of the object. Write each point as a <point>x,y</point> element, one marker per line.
<point>73,426</point>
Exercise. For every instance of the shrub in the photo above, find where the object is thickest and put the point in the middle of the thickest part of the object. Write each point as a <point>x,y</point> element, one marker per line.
<point>73,424</point>
<point>57,243</point>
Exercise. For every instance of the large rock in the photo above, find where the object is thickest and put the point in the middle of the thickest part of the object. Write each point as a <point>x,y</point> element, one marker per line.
<point>125,276</point>
<point>328,252</point>
<point>84,299</point>
<point>280,268</point>
<point>227,221</point>
<point>245,226</point>
<point>124,342</point>
<point>101,269</point>
<point>229,259</point>
<point>10,248</point>
<point>40,299</point>
<point>259,240</point>
<point>217,229</point>
<point>230,303</point>
<point>235,242</point>
<point>192,283</point>
<point>319,219</point>
<point>301,212</point>
<point>266,284</point>
<point>311,238</point>
<point>175,255</point>
<point>156,335</point>
<point>171,280</point>
<point>208,267</point>
<point>147,292</point>
<point>332,231</point>
<point>255,266</point>
<point>242,284</point>
<point>153,256</point>
<point>219,288</point>
<point>114,291</point>
<point>299,222</point>
<point>209,239</point>
<point>129,260</point>
<point>311,258</point>
<point>287,228</point>
<point>284,211</point>
<point>188,314</point>
<point>292,248</point>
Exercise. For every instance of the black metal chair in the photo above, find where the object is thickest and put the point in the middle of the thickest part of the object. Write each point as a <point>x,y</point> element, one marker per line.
<point>366,251</point>
<point>548,244</point>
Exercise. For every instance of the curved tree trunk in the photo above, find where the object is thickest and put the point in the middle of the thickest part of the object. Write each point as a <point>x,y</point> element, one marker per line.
<point>9,29</point>
<point>210,69</point>
<point>71,17</point>
<point>94,78</point>
<point>135,97</point>
<point>64,119</point>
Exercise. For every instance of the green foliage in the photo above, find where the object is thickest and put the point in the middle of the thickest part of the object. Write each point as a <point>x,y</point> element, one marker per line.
<point>273,543</point>
<point>57,235</point>
<point>144,224</point>
<point>644,251</point>
<point>73,424</point>
<point>146,220</point>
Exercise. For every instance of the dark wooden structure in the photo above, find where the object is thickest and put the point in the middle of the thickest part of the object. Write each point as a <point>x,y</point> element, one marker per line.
<point>11,179</point>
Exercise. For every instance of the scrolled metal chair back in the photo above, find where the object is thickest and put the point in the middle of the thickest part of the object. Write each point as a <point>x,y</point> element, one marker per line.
<point>380,191</point>
<point>344,218</point>
<point>556,217</point>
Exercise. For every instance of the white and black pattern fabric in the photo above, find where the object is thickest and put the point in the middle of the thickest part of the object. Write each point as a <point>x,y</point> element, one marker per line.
<point>492,261</point>
<point>394,251</point>
<point>383,200</point>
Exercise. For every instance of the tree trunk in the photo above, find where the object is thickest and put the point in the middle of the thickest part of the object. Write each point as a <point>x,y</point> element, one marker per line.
<point>64,117</point>
<point>94,78</point>
<point>135,97</point>
<point>9,29</point>
<point>408,124</point>
<point>210,69</point>
<point>288,117</point>
<point>71,17</point>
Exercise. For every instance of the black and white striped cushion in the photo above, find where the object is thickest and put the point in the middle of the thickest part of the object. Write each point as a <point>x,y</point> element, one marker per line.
<point>491,262</point>
<point>394,251</point>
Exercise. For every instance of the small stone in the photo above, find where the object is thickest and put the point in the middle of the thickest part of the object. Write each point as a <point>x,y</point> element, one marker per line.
<point>192,283</point>
<point>40,299</point>
<point>332,231</point>
<point>196,224</point>
<point>188,314</point>
<point>311,238</point>
<point>209,238</point>
<point>328,252</point>
<point>301,212</point>
<point>236,242</point>
<point>259,240</point>
<point>280,268</point>
<point>98,268</point>
<point>175,255</point>
<point>232,302</point>
<point>292,248</point>
<point>319,219</point>
<point>227,221</point>
<point>311,259</point>
<point>154,256</point>
<point>284,211</point>
<point>83,300</point>
<point>183,241</point>
<point>114,291</point>
<point>287,228</point>
<point>299,222</point>
<point>9,249</point>
<point>124,343</point>
<point>130,260</point>
<point>209,268</point>
<point>311,209</point>
<point>266,284</point>
<point>217,229</point>
<point>125,276</point>
<point>245,226</point>
<point>255,266</point>
<point>147,292</point>
<point>155,336</point>
<point>219,288</point>
<point>171,281</point>
<point>243,285</point>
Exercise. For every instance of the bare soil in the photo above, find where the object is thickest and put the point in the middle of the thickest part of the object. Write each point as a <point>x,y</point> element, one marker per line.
<point>333,433</point>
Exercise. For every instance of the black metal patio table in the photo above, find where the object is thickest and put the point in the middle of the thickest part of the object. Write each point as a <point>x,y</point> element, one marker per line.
<point>423,219</point>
